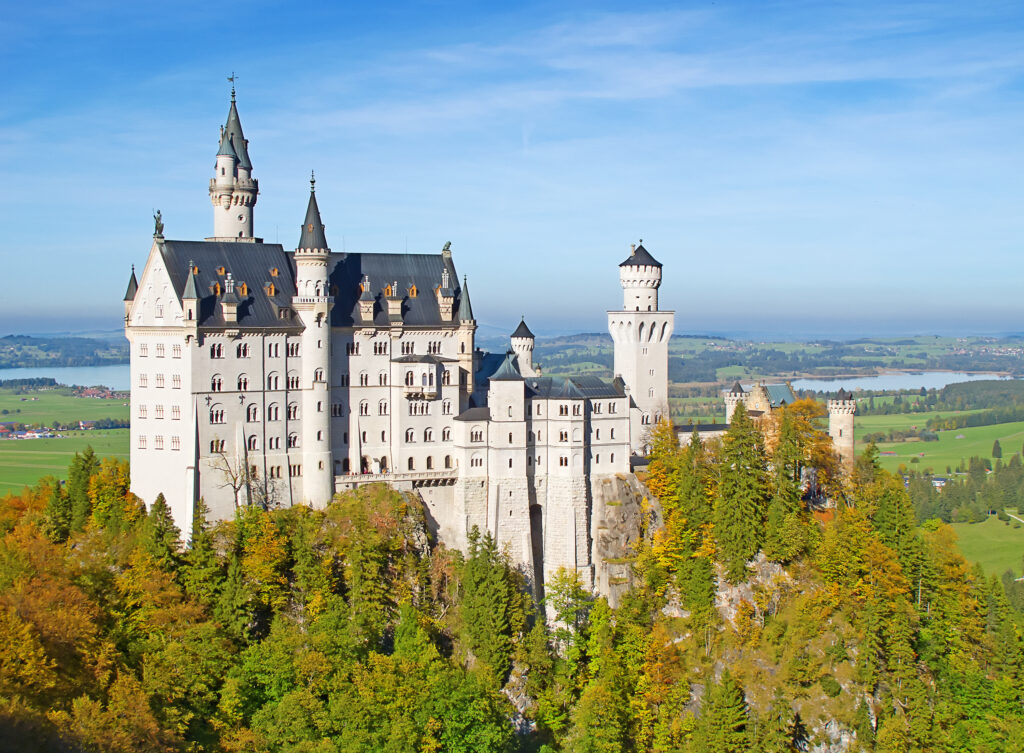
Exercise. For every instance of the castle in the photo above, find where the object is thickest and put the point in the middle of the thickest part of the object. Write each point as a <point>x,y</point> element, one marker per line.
<point>276,377</point>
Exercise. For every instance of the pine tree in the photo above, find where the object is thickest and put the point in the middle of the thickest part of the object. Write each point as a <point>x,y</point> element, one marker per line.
<point>201,572</point>
<point>739,513</point>
<point>487,604</point>
<point>776,729</point>
<point>161,537</point>
<point>724,718</point>
<point>997,450</point>
<point>58,514</point>
<point>83,465</point>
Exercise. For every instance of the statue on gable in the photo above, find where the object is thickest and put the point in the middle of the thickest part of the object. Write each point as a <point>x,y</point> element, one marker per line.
<point>158,225</point>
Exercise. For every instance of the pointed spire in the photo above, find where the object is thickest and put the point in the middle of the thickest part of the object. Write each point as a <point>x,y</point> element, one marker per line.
<point>465,307</point>
<point>225,145</point>
<point>522,330</point>
<point>313,236</point>
<point>133,287</point>
<point>233,131</point>
<point>190,284</point>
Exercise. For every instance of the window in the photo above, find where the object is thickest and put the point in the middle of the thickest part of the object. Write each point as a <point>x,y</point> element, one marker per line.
<point>175,412</point>
<point>293,440</point>
<point>272,381</point>
<point>597,459</point>
<point>318,375</point>
<point>253,443</point>
<point>352,349</point>
<point>216,415</point>
<point>160,380</point>
<point>175,351</point>
<point>159,411</point>
<point>243,382</point>
<point>343,380</point>
<point>430,463</point>
<point>216,383</point>
<point>274,471</point>
<point>383,436</point>
<point>412,464</point>
<point>612,459</point>
<point>143,380</point>
<point>143,349</point>
<point>611,407</point>
<point>382,378</point>
<point>476,436</point>
<point>242,351</point>
<point>273,350</point>
<point>216,445</point>
<point>142,411</point>
<point>410,435</point>
<point>563,436</point>
<point>577,409</point>
<point>252,413</point>
<point>273,412</point>
<point>382,408</point>
<point>364,379</point>
<point>176,381</point>
<point>337,410</point>
<point>596,408</point>
<point>294,470</point>
<point>407,348</point>
<point>409,380</point>
<point>597,434</point>
<point>563,410</point>
<point>611,433</point>
<point>447,461</point>
<point>216,350</point>
<point>159,350</point>
<point>446,434</point>
<point>510,437</point>
<point>293,381</point>
<point>364,408</point>
<point>293,411</point>
<point>380,348</point>
<point>142,441</point>
<point>175,443</point>
<point>274,443</point>
<point>293,349</point>
<point>563,461</point>
<point>538,409</point>
<point>446,407</point>
<point>428,435</point>
<point>363,437</point>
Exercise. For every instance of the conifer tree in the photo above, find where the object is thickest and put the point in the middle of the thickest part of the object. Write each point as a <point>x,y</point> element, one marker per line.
<point>83,465</point>
<point>160,536</point>
<point>487,604</point>
<point>744,491</point>
<point>201,571</point>
<point>724,718</point>
<point>58,513</point>
<point>776,729</point>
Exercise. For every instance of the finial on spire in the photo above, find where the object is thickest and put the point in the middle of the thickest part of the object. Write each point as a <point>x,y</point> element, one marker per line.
<point>312,181</point>
<point>232,79</point>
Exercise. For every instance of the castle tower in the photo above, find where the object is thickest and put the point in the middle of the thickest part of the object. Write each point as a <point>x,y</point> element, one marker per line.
<point>734,396</point>
<point>522,346</point>
<point>313,304</point>
<point>841,410</point>
<point>467,332</point>
<point>233,190</point>
<point>641,335</point>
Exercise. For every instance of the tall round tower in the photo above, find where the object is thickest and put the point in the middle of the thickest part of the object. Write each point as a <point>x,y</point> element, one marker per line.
<point>313,303</point>
<point>841,410</point>
<point>641,334</point>
<point>734,396</point>
<point>233,190</point>
<point>522,346</point>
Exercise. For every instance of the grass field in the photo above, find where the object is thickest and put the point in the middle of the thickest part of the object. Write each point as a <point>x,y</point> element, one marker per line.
<point>25,461</point>
<point>46,407</point>
<point>994,545</point>
<point>949,450</point>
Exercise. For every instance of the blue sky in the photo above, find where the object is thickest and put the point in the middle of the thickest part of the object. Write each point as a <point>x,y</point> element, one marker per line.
<point>843,168</point>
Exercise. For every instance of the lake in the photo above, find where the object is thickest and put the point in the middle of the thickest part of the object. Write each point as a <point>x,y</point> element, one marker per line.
<point>896,381</point>
<point>115,377</point>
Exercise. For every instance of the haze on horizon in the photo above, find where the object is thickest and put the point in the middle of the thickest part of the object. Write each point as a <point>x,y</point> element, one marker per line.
<point>803,170</point>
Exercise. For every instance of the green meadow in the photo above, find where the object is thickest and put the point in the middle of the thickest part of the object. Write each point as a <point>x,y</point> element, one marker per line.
<point>994,545</point>
<point>45,407</point>
<point>25,461</point>
<point>952,447</point>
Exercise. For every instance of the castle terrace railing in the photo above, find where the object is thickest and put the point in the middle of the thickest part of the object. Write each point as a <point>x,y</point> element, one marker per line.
<point>416,479</point>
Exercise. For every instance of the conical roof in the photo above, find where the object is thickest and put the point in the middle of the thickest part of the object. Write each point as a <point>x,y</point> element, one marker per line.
<point>465,307</point>
<point>641,257</point>
<point>313,229</point>
<point>225,145</point>
<point>507,371</point>
<point>844,395</point>
<point>233,129</point>
<point>190,285</point>
<point>522,330</point>
<point>133,287</point>
<point>737,388</point>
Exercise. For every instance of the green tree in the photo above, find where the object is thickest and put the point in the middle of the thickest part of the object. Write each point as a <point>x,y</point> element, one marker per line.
<point>739,513</point>
<point>997,451</point>
<point>487,604</point>
<point>80,472</point>
<point>724,718</point>
<point>161,538</point>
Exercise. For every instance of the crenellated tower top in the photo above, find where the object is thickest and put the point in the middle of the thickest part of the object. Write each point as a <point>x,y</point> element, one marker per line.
<point>640,277</point>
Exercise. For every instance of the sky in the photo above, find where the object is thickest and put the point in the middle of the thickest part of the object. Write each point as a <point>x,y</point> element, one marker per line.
<point>800,168</point>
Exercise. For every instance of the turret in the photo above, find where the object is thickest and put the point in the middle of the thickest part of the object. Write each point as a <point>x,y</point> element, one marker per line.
<point>640,277</point>
<point>841,410</point>
<point>129,295</point>
<point>233,190</point>
<point>522,346</point>
<point>733,397</point>
<point>467,332</point>
<point>313,305</point>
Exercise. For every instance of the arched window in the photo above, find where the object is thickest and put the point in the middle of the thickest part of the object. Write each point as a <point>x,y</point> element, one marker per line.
<point>446,434</point>
<point>382,378</point>
<point>242,351</point>
<point>252,413</point>
<point>216,414</point>
<point>430,463</point>
<point>446,407</point>
<point>408,379</point>
<point>216,383</point>
<point>243,382</point>
<point>446,377</point>
<point>253,442</point>
<point>318,375</point>
<point>364,408</point>
<point>382,408</point>
<point>410,435</point>
<point>293,440</point>
<point>273,412</point>
<point>423,380</point>
<point>412,464</point>
<point>447,461</point>
<point>364,379</point>
<point>273,381</point>
<point>428,435</point>
<point>293,411</point>
<point>216,350</point>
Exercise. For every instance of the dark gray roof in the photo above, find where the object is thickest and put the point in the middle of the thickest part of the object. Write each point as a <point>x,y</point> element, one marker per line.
<point>422,270</point>
<point>568,389</point>
<point>426,358</point>
<point>737,387</point>
<point>313,236</point>
<point>250,263</point>
<point>475,414</point>
<point>508,370</point>
<point>595,387</point>
<point>522,330</point>
<point>133,287</point>
<point>233,129</point>
<point>225,145</point>
<point>465,307</point>
<point>844,395</point>
<point>190,293</point>
<point>641,257</point>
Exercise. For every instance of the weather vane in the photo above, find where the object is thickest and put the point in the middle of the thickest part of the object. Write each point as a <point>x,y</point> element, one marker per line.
<point>232,78</point>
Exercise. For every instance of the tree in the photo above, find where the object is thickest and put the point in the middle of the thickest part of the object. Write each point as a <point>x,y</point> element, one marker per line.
<point>487,604</point>
<point>83,465</point>
<point>724,718</point>
<point>997,451</point>
<point>160,536</point>
<point>739,513</point>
